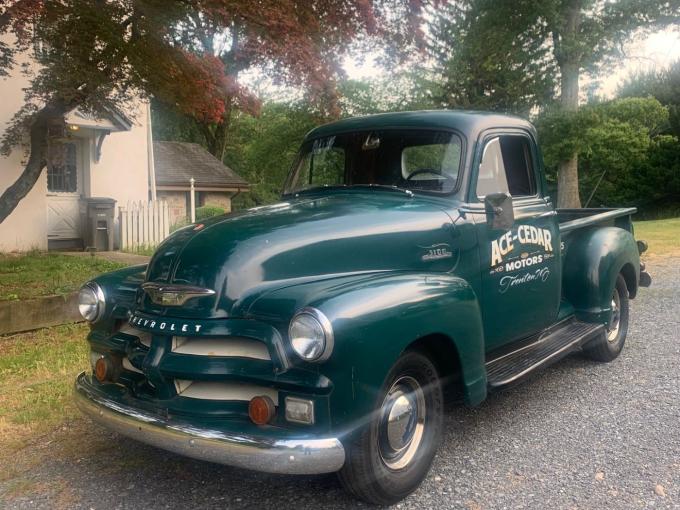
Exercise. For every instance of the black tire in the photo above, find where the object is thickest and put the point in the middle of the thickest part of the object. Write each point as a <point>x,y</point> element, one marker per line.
<point>609,345</point>
<point>369,473</point>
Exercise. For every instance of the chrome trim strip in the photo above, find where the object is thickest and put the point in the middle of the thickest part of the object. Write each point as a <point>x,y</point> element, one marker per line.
<point>168,294</point>
<point>284,456</point>
<point>101,299</point>
<point>226,346</point>
<point>325,325</point>
<point>223,390</point>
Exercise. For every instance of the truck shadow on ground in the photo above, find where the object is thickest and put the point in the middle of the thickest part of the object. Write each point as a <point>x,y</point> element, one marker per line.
<point>107,467</point>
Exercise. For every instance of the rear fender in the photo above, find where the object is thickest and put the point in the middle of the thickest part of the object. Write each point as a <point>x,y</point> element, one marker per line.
<point>592,262</point>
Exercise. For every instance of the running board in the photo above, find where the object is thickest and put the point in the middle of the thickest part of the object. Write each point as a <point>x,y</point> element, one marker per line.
<point>552,346</point>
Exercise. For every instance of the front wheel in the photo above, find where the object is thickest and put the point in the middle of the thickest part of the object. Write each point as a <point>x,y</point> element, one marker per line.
<point>390,456</point>
<point>608,346</point>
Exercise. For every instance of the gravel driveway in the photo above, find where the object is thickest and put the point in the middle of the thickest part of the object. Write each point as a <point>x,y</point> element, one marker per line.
<point>579,435</point>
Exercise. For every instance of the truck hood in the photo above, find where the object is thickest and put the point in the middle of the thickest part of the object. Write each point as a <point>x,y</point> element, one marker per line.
<point>243,255</point>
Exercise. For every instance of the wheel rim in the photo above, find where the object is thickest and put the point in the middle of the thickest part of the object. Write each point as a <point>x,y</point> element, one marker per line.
<point>402,422</point>
<point>615,320</point>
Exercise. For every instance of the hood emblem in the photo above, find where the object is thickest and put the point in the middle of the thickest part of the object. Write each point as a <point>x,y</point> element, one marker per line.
<point>173,295</point>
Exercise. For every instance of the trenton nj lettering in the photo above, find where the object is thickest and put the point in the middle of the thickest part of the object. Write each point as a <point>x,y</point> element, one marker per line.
<point>526,234</point>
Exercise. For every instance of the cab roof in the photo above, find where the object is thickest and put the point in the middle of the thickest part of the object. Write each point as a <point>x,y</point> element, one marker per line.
<point>469,123</point>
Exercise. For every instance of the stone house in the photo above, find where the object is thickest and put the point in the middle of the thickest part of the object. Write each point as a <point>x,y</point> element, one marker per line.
<point>176,163</point>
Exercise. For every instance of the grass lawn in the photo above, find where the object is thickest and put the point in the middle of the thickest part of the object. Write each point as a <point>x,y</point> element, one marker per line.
<point>143,250</point>
<point>37,371</point>
<point>43,274</point>
<point>38,419</point>
<point>663,236</point>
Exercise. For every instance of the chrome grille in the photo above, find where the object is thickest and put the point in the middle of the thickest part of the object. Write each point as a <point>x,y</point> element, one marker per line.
<point>237,347</point>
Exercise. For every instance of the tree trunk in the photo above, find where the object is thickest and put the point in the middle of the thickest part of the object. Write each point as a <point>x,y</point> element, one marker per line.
<point>216,138</point>
<point>567,184</point>
<point>567,170</point>
<point>569,62</point>
<point>36,162</point>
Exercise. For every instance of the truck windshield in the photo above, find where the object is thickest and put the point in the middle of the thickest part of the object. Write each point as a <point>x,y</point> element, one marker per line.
<point>409,159</point>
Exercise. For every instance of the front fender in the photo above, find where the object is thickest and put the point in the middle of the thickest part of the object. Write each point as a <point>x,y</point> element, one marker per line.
<point>375,318</point>
<point>592,262</point>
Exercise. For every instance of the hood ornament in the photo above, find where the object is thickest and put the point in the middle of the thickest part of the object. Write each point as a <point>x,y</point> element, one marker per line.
<point>173,295</point>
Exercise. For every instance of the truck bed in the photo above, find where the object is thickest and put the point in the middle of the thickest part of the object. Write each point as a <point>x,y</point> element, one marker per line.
<point>572,219</point>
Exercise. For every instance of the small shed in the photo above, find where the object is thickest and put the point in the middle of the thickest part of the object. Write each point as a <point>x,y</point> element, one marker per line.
<point>176,163</point>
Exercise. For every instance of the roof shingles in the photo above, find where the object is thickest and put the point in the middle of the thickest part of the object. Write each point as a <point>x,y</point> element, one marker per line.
<point>176,163</point>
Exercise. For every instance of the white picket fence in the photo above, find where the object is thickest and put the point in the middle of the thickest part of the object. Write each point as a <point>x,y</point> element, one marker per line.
<point>143,224</point>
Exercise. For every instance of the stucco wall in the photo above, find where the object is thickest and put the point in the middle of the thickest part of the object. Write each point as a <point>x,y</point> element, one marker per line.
<point>26,227</point>
<point>122,171</point>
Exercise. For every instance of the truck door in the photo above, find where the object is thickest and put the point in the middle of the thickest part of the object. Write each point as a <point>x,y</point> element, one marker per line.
<point>520,267</point>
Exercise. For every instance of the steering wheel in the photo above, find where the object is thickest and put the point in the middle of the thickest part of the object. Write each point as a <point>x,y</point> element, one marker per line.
<point>421,171</point>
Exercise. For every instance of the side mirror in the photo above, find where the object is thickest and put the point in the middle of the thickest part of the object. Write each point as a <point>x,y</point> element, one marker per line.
<point>500,214</point>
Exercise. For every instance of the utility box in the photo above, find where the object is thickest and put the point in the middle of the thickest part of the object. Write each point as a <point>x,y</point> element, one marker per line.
<point>99,229</point>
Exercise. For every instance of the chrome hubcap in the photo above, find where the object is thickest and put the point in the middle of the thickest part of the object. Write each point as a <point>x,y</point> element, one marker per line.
<point>402,420</point>
<point>615,320</point>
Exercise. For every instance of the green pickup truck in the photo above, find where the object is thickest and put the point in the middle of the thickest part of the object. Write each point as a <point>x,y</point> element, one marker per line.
<point>413,258</point>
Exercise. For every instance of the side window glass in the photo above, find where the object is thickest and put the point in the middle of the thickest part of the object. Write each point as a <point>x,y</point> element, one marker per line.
<point>323,165</point>
<point>506,167</point>
<point>491,177</point>
<point>327,167</point>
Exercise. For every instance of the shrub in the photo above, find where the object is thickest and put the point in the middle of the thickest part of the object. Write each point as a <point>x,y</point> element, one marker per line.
<point>208,211</point>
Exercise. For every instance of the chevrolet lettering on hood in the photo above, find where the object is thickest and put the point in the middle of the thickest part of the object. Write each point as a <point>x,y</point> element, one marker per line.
<point>164,325</point>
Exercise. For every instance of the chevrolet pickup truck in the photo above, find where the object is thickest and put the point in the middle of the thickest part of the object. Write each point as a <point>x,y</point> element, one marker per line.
<point>414,257</point>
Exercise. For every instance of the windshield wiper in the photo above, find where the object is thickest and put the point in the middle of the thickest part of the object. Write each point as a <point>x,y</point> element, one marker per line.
<point>325,187</point>
<point>408,192</point>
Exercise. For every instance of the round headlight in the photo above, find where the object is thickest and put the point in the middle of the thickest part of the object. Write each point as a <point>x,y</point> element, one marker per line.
<point>91,302</point>
<point>311,335</point>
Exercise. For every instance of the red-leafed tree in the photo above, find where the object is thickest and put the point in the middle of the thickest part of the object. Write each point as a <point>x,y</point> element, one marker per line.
<point>294,43</point>
<point>98,55</point>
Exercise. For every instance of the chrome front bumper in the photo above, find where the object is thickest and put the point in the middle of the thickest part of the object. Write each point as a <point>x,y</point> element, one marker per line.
<point>287,456</point>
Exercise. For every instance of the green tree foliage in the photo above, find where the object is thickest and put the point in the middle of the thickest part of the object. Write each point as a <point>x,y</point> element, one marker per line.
<point>664,85</point>
<point>396,92</point>
<point>625,158</point>
<point>503,55</point>
<point>263,148</point>
<point>491,56</point>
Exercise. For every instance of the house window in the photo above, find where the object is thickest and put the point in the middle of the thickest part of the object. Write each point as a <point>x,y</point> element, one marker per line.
<point>62,170</point>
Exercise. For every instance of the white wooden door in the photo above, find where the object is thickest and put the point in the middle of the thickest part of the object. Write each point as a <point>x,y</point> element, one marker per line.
<point>64,188</point>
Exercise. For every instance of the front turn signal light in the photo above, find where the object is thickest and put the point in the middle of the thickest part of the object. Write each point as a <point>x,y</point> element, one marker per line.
<point>261,410</point>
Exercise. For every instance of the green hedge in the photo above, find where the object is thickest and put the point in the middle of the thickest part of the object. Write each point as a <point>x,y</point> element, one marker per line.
<point>207,211</point>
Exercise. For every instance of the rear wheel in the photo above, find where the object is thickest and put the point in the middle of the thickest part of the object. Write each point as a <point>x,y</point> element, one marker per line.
<point>608,346</point>
<point>390,456</point>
